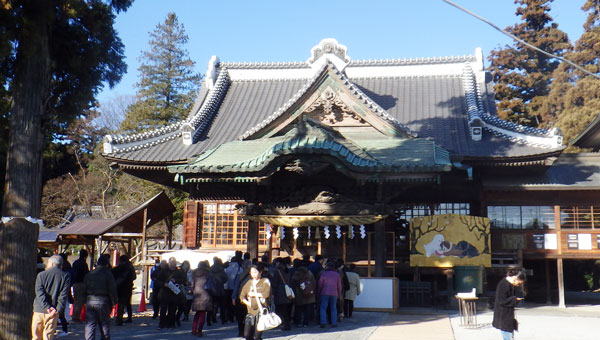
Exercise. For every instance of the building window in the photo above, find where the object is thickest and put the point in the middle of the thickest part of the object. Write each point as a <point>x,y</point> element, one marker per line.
<point>521,217</point>
<point>435,209</point>
<point>580,217</point>
<point>223,226</point>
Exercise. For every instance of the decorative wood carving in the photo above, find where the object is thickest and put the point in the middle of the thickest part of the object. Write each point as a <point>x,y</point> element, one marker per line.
<point>331,110</point>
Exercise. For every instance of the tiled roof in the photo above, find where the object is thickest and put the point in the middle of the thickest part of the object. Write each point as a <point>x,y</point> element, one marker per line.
<point>371,153</point>
<point>432,97</point>
<point>570,171</point>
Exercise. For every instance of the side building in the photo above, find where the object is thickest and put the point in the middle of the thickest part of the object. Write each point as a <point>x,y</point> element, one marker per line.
<point>336,156</point>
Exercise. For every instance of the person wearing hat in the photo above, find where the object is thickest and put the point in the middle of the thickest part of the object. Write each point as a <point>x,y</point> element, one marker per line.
<point>101,294</point>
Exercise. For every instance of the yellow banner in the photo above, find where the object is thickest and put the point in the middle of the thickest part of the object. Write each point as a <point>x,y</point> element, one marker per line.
<point>450,240</point>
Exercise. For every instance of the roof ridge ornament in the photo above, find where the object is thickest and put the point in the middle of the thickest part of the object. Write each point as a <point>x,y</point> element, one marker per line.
<point>331,50</point>
<point>211,72</point>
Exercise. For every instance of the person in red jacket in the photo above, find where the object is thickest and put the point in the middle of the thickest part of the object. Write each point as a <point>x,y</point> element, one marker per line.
<point>330,289</point>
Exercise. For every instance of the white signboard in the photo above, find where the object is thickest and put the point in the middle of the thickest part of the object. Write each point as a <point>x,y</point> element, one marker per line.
<point>585,241</point>
<point>550,241</point>
<point>378,293</point>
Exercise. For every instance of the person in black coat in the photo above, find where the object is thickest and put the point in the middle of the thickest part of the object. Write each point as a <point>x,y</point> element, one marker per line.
<point>505,302</point>
<point>124,275</point>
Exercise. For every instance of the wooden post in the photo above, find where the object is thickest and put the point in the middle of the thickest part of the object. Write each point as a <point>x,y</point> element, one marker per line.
<point>380,251</point>
<point>144,252</point>
<point>369,255</point>
<point>561,283</point>
<point>270,247</point>
<point>548,287</point>
<point>344,237</point>
<point>252,239</point>
<point>169,221</point>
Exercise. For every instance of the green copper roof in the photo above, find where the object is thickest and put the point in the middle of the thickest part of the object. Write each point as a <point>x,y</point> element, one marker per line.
<point>360,152</point>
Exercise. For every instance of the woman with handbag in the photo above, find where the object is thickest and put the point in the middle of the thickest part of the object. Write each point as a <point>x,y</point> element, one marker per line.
<point>283,295</point>
<point>255,295</point>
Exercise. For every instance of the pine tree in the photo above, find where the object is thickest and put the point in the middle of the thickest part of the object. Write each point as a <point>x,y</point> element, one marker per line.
<point>522,76</point>
<point>167,80</point>
<point>575,96</point>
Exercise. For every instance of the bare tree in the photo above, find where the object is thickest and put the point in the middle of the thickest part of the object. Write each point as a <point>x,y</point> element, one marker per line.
<point>112,112</point>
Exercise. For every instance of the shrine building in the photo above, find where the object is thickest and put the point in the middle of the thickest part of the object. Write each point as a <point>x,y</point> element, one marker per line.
<point>338,156</point>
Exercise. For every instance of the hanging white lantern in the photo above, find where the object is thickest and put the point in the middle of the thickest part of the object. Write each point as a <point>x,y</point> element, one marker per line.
<point>295,232</point>
<point>326,231</point>
<point>268,231</point>
<point>363,232</point>
<point>282,233</point>
<point>338,231</point>
<point>351,232</point>
<point>309,229</point>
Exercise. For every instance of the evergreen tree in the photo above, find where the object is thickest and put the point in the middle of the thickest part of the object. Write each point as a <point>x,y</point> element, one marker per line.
<point>167,80</point>
<point>575,96</point>
<point>58,56</point>
<point>522,76</point>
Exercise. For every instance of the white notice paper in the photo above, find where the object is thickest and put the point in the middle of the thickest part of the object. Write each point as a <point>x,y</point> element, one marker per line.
<point>550,241</point>
<point>585,241</point>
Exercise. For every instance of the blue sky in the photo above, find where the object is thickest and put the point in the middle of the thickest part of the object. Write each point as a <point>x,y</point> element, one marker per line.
<point>269,30</point>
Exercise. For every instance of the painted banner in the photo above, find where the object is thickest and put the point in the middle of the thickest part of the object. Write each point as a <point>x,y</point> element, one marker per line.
<point>450,240</point>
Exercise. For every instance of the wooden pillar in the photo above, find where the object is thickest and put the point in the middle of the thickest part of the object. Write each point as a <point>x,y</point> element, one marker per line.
<point>169,221</point>
<point>380,253</point>
<point>548,286</point>
<point>270,247</point>
<point>561,283</point>
<point>252,239</point>
<point>144,253</point>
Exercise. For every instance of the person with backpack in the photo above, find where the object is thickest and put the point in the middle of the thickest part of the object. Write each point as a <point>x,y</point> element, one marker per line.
<point>201,302</point>
<point>239,308</point>
<point>234,268</point>
<point>217,279</point>
<point>304,285</point>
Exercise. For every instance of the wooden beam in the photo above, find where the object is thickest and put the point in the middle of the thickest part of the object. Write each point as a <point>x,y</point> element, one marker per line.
<point>123,235</point>
<point>561,283</point>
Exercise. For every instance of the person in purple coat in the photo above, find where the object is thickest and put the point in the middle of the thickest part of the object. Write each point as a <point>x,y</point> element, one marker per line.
<point>330,289</point>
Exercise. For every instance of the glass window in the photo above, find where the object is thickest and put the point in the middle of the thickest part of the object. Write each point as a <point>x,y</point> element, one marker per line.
<point>222,226</point>
<point>436,209</point>
<point>521,217</point>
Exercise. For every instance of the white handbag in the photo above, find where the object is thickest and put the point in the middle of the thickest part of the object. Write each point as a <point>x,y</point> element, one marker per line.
<point>266,320</point>
<point>289,292</point>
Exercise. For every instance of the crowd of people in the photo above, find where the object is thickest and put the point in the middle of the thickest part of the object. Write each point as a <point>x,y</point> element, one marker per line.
<point>61,284</point>
<point>301,292</point>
